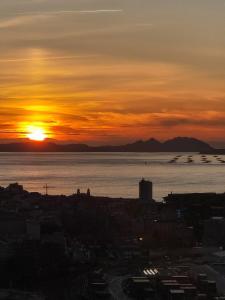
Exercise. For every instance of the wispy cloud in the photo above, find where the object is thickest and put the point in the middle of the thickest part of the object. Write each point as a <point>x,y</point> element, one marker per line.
<point>47,58</point>
<point>64,12</point>
<point>22,18</point>
<point>18,21</point>
<point>101,11</point>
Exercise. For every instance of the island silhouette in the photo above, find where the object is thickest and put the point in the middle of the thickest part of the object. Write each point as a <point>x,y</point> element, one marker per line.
<point>178,144</point>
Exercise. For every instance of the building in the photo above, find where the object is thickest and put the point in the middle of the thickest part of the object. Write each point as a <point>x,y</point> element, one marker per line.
<point>212,227</point>
<point>12,224</point>
<point>181,201</point>
<point>145,191</point>
<point>33,230</point>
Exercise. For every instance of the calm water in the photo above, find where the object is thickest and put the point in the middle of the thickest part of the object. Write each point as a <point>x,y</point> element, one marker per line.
<point>112,174</point>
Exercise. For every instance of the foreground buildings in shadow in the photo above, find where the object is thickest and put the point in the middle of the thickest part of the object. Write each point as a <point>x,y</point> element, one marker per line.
<point>145,191</point>
<point>87,247</point>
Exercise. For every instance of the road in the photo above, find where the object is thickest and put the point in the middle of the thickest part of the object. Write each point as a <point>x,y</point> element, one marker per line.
<point>212,275</point>
<point>115,288</point>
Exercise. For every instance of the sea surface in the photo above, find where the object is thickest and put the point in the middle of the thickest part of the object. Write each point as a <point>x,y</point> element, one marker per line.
<point>113,174</point>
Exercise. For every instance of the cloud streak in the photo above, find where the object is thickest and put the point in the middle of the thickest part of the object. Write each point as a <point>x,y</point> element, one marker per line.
<point>22,18</point>
<point>65,12</point>
<point>48,58</point>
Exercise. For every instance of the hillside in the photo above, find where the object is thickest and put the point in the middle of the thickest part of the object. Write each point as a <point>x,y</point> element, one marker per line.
<point>178,144</point>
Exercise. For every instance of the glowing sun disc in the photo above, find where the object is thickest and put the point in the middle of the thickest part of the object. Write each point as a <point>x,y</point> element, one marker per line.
<point>36,134</point>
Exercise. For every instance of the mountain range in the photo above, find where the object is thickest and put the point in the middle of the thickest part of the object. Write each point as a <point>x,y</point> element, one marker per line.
<point>178,144</point>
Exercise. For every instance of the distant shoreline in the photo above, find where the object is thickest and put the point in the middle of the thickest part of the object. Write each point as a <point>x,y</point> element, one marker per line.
<point>178,144</point>
<point>91,151</point>
<point>214,152</point>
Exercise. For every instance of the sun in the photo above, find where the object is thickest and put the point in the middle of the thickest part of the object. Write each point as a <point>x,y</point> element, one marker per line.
<point>36,134</point>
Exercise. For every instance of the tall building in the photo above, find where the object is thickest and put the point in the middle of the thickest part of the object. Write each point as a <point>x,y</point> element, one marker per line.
<point>145,191</point>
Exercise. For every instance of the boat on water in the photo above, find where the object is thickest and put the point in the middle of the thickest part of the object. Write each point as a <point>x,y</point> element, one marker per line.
<point>172,161</point>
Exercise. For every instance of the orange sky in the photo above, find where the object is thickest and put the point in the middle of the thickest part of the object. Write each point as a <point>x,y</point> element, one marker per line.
<point>112,71</point>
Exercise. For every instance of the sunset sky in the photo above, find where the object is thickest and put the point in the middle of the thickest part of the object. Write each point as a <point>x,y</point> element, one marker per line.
<point>112,71</point>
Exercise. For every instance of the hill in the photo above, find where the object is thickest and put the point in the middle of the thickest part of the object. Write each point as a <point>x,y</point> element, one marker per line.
<point>178,144</point>
<point>183,144</point>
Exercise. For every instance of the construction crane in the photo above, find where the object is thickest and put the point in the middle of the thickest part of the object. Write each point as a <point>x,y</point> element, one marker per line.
<point>46,187</point>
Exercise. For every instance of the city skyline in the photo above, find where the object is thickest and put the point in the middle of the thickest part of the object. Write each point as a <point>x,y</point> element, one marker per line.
<point>112,149</point>
<point>114,72</point>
